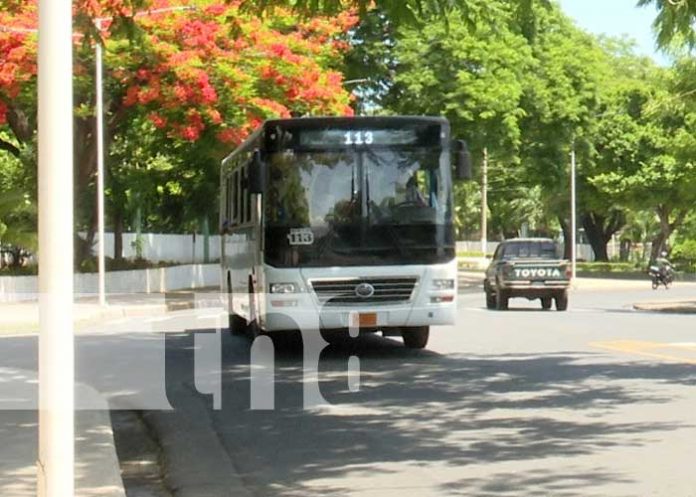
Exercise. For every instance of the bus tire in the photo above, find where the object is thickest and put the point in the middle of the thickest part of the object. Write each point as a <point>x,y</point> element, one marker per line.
<point>237,324</point>
<point>415,337</point>
<point>253,329</point>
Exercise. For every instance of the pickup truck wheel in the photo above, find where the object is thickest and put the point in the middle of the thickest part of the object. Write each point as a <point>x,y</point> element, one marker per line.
<point>415,337</point>
<point>490,300</point>
<point>501,300</point>
<point>546,303</point>
<point>562,301</point>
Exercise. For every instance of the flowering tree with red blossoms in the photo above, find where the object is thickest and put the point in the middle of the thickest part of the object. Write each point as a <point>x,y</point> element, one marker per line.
<point>210,69</point>
<point>191,83</point>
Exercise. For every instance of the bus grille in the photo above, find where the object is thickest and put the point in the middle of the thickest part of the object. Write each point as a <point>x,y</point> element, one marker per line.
<point>343,291</point>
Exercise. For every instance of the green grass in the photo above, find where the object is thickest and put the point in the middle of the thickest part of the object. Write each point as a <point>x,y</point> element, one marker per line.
<point>609,267</point>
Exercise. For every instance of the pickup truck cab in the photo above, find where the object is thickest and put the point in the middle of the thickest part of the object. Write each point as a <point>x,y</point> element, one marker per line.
<point>530,268</point>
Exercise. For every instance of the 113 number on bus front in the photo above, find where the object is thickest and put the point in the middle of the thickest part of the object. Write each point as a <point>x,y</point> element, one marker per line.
<point>359,138</point>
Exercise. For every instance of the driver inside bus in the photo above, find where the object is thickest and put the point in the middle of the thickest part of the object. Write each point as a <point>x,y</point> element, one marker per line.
<point>413,193</point>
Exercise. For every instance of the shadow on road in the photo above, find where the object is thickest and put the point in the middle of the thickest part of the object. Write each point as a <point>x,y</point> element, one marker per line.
<point>417,413</point>
<point>420,408</point>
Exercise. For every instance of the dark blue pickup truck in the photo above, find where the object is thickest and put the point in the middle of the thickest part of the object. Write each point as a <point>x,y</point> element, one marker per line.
<point>530,268</point>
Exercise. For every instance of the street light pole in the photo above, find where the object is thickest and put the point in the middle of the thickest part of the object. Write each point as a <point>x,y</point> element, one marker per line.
<point>100,168</point>
<point>573,214</point>
<point>56,457</point>
<point>99,92</point>
<point>484,204</point>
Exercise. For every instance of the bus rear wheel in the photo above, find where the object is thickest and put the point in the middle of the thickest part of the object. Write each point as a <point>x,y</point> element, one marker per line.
<point>237,324</point>
<point>253,328</point>
<point>415,337</point>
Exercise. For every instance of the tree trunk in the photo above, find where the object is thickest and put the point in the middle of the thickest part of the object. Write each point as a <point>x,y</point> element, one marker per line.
<point>625,250</point>
<point>118,235</point>
<point>595,235</point>
<point>567,239</point>
<point>85,203</point>
<point>664,213</point>
<point>599,230</point>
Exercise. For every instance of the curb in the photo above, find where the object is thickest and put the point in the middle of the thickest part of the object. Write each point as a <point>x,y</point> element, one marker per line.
<point>667,308</point>
<point>109,313</point>
<point>192,451</point>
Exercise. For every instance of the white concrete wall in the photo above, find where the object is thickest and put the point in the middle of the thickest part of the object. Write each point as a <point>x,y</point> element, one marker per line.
<point>162,247</point>
<point>21,288</point>
<point>17,288</point>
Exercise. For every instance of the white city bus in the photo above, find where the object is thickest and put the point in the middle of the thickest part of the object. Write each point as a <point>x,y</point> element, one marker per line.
<point>334,223</point>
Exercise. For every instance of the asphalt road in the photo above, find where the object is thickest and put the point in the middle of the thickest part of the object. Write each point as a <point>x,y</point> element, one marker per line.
<point>596,401</point>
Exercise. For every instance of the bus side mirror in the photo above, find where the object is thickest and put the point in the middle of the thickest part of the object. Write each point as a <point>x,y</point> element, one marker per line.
<point>463,169</point>
<point>257,174</point>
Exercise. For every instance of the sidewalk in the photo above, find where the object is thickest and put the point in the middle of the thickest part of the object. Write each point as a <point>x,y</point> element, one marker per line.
<point>97,471</point>
<point>23,318</point>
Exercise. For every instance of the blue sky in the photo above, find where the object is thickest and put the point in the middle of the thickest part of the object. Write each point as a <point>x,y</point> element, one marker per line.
<point>615,18</point>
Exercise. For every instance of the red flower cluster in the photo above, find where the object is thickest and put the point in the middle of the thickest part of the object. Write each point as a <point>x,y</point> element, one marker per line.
<point>214,71</point>
<point>17,53</point>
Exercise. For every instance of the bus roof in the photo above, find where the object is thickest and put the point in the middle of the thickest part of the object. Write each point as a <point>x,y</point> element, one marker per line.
<point>335,120</point>
<point>316,121</point>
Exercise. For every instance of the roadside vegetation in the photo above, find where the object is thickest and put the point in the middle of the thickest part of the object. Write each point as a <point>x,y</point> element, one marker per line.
<point>516,78</point>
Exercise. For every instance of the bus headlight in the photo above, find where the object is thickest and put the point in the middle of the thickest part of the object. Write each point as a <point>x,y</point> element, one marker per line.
<point>443,284</point>
<point>283,288</point>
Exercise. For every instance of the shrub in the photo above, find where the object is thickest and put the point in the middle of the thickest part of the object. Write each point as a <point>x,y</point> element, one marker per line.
<point>608,267</point>
<point>684,250</point>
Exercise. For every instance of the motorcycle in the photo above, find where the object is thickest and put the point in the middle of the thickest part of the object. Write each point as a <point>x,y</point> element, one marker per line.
<point>661,276</point>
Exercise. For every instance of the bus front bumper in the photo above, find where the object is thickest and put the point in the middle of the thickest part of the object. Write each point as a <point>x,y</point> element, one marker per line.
<point>294,315</point>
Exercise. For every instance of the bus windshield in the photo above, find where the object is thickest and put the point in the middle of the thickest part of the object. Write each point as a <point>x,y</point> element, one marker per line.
<point>366,205</point>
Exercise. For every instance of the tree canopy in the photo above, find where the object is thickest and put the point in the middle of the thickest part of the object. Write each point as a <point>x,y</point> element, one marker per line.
<point>186,85</point>
<point>186,81</point>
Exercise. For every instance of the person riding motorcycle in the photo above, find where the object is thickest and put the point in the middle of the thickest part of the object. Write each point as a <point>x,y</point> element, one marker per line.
<point>662,270</point>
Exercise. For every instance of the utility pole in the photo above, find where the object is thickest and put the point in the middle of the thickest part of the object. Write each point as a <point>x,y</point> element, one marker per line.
<point>56,457</point>
<point>573,214</point>
<point>99,90</point>
<point>484,204</point>
<point>100,168</point>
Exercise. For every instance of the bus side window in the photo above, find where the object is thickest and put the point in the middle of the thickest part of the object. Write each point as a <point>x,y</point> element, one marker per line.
<point>233,199</point>
<point>228,200</point>
<point>247,196</point>
<point>243,189</point>
<point>240,196</point>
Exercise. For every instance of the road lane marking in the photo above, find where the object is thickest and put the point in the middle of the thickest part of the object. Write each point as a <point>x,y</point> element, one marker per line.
<point>655,350</point>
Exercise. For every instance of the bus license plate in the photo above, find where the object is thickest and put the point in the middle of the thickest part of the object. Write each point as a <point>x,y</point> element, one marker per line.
<point>364,320</point>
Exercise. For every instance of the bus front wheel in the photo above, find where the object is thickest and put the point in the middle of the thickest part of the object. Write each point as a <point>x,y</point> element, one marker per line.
<point>415,337</point>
